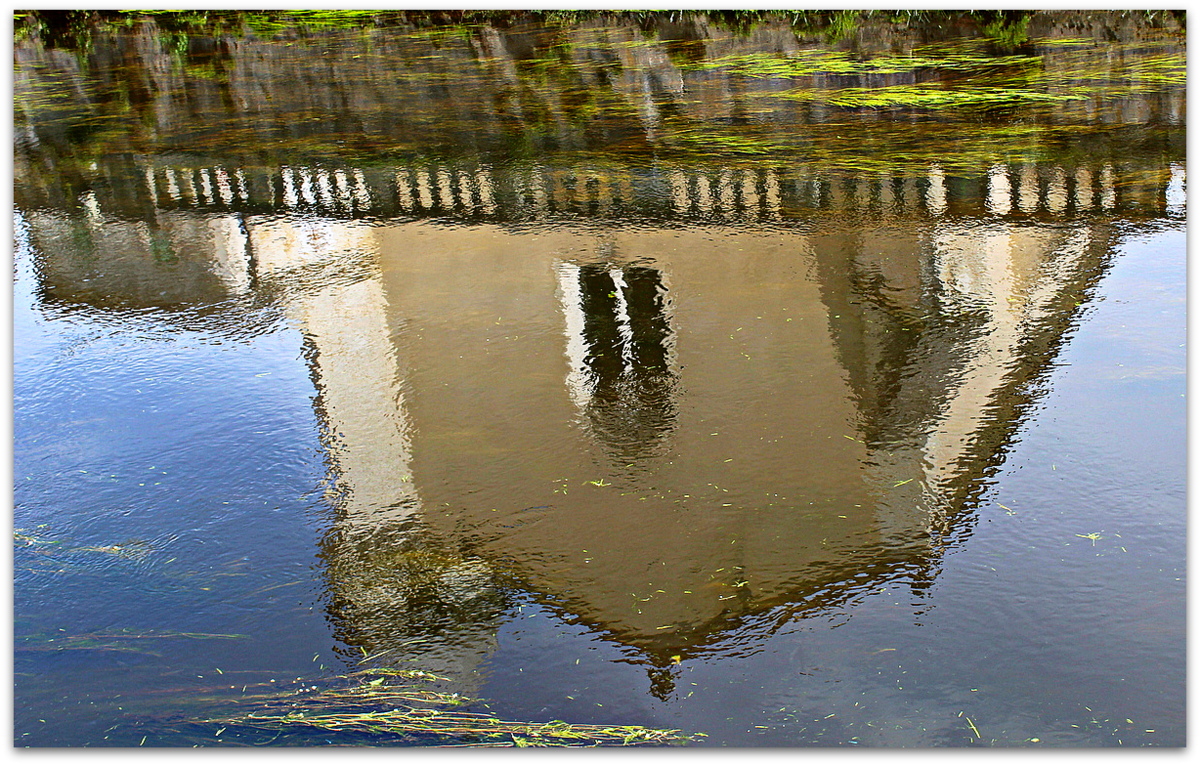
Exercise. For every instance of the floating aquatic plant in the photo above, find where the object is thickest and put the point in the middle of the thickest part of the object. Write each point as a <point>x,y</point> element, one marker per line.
<point>420,715</point>
<point>970,75</point>
<point>928,96</point>
<point>820,61</point>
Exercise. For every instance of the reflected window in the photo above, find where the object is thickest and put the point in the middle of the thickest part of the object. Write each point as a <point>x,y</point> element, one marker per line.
<point>620,346</point>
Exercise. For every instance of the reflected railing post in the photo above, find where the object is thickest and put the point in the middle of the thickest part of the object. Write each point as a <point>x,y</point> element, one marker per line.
<point>999,196</point>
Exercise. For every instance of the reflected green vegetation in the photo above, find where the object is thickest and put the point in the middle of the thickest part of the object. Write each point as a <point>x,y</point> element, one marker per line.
<point>574,85</point>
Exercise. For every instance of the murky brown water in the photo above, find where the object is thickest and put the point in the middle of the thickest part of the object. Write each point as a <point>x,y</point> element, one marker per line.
<point>606,375</point>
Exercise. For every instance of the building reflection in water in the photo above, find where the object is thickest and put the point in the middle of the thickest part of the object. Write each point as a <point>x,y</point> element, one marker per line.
<point>681,436</point>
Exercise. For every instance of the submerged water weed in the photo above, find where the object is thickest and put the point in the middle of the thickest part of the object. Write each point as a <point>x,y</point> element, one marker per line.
<point>967,75</point>
<point>852,145</point>
<point>1154,70</point>
<point>411,714</point>
<point>120,642</point>
<point>23,539</point>
<point>820,61</point>
<point>699,142</point>
<point>928,97</point>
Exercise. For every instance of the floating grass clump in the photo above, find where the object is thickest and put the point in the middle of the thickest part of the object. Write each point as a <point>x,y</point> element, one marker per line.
<point>462,728</point>
<point>391,706</point>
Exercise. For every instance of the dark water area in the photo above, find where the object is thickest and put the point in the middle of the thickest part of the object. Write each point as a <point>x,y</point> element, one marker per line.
<point>809,384</point>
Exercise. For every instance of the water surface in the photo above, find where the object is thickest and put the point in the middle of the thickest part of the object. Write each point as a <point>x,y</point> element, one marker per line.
<point>616,373</point>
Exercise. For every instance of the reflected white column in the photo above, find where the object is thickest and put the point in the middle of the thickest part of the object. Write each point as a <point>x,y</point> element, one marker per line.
<point>172,184</point>
<point>750,199</point>
<point>224,186</point>
<point>704,197</point>
<point>91,209</point>
<point>537,186</point>
<point>1056,191</point>
<point>240,177</point>
<point>206,186</point>
<point>325,188</point>
<point>306,187</point>
<point>1177,190</point>
<point>404,192</point>
<point>487,197</point>
<point>424,189</point>
<point>362,194</point>
<point>465,195</point>
<point>151,184</point>
<point>1027,189</point>
<point>523,197</point>
<point>189,186</point>
<point>1108,191</point>
<point>774,205</point>
<point>230,247</point>
<point>445,192</point>
<point>624,323</point>
<point>935,194</point>
<point>290,197</point>
<point>1083,188</point>
<point>725,205</point>
<point>341,186</point>
<point>680,201</point>
<point>999,195</point>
